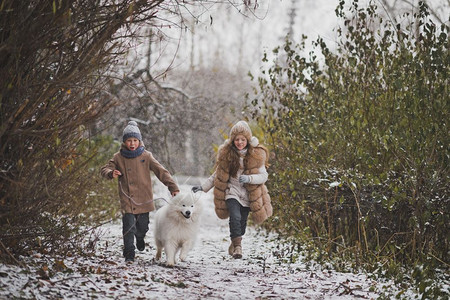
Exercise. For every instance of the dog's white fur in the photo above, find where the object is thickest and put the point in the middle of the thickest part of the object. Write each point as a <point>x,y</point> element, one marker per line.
<point>176,226</point>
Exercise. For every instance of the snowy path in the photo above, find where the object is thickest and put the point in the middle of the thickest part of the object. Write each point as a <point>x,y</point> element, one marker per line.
<point>209,272</point>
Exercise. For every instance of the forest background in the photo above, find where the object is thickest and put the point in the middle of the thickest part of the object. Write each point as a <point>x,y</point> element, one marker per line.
<point>356,119</point>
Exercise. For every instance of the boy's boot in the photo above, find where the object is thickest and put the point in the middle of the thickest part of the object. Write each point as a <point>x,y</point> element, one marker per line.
<point>129,255</point>
<point>237,248</point>
<point>140,244</point>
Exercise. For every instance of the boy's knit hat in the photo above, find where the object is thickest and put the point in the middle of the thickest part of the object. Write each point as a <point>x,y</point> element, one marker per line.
<point>132,130</point>
<point>242,128</point>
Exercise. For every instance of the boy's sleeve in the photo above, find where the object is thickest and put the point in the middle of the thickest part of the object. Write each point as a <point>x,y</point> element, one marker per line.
<point>163,175</point>
<point>107,170</point>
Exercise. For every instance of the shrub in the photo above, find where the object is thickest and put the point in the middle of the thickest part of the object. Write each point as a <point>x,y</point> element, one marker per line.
<point>360,137</point>
<point>54,61</point>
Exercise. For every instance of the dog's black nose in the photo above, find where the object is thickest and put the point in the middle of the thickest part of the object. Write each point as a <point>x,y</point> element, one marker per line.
<point>188,213</point>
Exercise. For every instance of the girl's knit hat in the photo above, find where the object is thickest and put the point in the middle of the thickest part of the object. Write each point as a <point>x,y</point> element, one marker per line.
<point>131,130</point>
<point>242,128</point>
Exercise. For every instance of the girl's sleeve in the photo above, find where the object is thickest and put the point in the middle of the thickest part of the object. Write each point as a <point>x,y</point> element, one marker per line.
<point>209,183</point>
<point>259,178</point>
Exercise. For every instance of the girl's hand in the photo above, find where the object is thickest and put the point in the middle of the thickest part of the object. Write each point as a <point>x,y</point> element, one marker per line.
<point>197,188</point>
<point>244,179</point>
<point>116,173</point>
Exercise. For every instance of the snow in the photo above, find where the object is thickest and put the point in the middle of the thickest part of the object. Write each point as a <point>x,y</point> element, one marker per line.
<point>265,271</point>
<point>335,184</point>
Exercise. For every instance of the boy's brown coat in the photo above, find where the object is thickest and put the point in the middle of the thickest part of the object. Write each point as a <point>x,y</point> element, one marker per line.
<point>136,182</point>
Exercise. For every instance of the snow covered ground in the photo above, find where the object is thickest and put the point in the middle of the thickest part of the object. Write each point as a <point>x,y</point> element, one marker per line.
<point>264,272</point>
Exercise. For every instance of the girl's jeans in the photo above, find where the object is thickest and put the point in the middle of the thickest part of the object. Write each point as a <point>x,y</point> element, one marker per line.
<point>133,225</point>
<point>238,217</point>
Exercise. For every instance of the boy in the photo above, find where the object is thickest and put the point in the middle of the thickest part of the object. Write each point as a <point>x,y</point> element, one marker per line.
<point>132,165</point>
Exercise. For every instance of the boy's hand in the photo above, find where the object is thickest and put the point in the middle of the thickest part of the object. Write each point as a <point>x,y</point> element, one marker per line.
<point>116,173</point>
<point>175,193</point>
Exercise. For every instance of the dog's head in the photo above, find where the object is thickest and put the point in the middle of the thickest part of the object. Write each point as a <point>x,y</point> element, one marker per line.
<point>185,204</point>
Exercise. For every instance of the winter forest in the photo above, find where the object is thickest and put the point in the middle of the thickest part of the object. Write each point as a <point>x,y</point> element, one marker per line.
<point>350,97</point>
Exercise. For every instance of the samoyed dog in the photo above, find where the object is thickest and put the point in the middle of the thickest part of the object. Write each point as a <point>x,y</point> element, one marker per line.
<point>176,225</point>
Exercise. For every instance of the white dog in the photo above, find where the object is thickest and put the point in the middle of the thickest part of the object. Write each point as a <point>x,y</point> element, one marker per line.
<point>176,226</point>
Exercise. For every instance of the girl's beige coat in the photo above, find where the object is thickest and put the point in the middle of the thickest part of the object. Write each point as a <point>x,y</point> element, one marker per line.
<point>260,203</point>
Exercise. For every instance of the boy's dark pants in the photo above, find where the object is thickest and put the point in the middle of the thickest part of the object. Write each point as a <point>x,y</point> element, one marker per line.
<point>238,218</point>
<point>133,225</point>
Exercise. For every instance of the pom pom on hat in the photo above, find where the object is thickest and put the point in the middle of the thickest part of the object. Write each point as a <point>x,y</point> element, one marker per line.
<point>131,130</point>
<point>254,141</point>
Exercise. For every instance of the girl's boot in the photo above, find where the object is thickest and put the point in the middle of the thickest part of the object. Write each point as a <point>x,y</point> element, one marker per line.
<point>237,248</point>
<point>231,248</point>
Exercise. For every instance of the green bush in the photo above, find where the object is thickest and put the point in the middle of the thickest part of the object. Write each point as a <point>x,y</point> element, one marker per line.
<point>361,140</point>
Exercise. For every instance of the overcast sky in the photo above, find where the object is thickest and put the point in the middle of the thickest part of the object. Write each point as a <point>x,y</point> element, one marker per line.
<point>222,35</point>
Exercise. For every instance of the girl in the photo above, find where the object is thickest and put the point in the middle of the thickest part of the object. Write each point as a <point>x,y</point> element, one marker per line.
<point>238,181</point>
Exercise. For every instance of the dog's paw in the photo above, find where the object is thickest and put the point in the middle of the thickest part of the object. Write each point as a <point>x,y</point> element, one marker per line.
<point>158,255</point>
